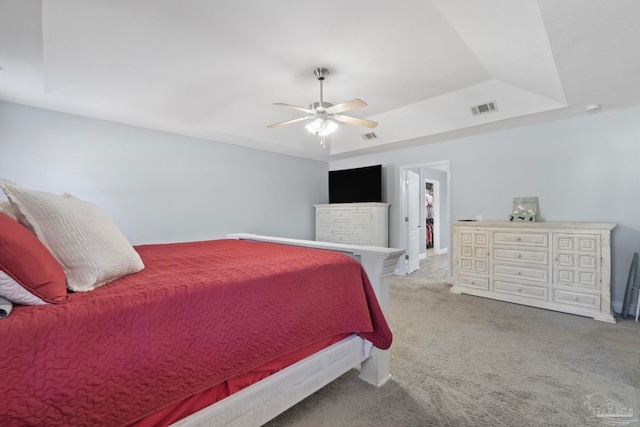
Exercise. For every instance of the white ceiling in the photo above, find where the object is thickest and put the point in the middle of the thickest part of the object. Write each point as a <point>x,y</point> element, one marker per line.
<point>212,69</point>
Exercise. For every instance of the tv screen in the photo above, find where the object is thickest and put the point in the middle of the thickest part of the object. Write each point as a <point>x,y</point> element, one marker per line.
<point>356,185</point>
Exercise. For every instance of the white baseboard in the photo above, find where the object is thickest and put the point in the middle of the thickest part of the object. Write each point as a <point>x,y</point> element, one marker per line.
<point>442,251</point>
<point>423,256</point>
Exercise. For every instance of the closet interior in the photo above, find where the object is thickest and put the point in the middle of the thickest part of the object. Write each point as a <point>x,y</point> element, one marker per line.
<point>428,200</point>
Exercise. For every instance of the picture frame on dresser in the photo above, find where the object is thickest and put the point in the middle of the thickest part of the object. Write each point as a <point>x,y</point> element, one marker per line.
<point>524,209</point>
<point>561,266</point>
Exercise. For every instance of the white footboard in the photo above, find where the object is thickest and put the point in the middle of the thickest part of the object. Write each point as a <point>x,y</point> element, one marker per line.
<point>262,401</point>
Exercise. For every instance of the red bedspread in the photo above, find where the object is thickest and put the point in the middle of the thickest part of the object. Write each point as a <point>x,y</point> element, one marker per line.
<point>197,314</point>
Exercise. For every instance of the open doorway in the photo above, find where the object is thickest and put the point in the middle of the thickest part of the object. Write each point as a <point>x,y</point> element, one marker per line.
<point>433,216</point>
<point>432,220</point>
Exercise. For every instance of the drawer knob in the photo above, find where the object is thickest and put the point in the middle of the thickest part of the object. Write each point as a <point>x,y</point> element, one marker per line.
<point>473,282</point>
<point>519,256</point>
<point>519,239</point>
<point>519,290</point>
<point>519,273</point>
<point>574,298</point>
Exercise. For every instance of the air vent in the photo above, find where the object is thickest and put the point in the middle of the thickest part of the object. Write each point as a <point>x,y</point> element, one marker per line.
<point>488,107</point>
<point>369,136</point>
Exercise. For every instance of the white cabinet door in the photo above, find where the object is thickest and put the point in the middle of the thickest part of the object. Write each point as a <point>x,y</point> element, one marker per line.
<point>361,227</point>
<point>323,226</point>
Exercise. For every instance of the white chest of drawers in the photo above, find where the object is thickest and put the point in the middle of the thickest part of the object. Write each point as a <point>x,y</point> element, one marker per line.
<point>364,224</point>
<point>557,266</point>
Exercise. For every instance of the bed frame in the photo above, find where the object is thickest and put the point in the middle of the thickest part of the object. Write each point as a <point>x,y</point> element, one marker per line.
<point>264,400</point>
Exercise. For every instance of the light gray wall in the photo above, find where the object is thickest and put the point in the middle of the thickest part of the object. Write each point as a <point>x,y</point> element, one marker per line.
<point>582,169</point>
<point>161,187</point>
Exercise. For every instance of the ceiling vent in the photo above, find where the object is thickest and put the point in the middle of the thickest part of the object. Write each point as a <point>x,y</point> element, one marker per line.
<point>369,136</point>
<point>488,107</point>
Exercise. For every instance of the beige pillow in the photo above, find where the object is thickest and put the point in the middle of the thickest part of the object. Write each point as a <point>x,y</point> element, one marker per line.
<point>84,240</point>
<point>7,209</point>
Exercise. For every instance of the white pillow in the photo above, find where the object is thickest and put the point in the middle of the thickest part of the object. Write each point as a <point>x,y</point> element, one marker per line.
<point>7,209</point>
<point>14,292</point>
<point>84,240</point>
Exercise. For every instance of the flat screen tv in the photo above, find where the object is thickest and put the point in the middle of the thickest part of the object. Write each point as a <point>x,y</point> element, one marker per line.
<point>356,185</point>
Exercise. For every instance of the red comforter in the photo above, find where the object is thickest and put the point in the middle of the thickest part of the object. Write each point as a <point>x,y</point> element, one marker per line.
<point>198,313</point>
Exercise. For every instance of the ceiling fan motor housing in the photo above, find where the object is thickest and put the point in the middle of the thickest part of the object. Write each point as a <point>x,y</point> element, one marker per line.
<point>320,106</point>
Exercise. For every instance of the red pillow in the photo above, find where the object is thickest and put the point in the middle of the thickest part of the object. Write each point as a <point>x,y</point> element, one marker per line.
<point>28,265</point>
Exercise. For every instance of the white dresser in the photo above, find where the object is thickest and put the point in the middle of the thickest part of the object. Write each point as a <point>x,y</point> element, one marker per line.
<point>365,224</point>
<point>562,266</point>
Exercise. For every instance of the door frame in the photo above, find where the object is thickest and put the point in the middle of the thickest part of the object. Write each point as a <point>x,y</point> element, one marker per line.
<point>444,165</point>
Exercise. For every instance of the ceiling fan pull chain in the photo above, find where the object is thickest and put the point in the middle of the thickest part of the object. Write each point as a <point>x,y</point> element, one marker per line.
<point>322,142</point>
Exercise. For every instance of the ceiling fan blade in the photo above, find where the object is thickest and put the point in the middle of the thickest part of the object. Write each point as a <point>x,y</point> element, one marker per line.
<point>287,122</point>
<point>355,121</point>
<point>306,110</point>
<point>346,106</point>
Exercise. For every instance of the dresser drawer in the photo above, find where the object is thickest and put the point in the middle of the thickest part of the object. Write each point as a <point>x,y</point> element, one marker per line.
<point>474,282</point>
<point>575,298</point>
<point>521,238</point>
<point>522,290</point>
<point>341,238</point>
<point>341,214</point>
<point>522,272</point>
<point>341,226</point>
<point>531,256</point>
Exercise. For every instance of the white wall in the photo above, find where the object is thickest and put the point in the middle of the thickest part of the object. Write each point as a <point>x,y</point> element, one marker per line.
<point>582,169</point>
<point>161,187</point>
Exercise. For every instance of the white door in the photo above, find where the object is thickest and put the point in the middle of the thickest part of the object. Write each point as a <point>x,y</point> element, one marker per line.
<point>412,222</point>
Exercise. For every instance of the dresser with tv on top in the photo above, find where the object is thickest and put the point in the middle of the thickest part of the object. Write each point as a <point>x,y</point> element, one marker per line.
<point>562,266</point>
<point>365,224</point>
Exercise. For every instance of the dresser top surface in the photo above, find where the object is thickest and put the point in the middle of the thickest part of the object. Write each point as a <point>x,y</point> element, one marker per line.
<point>536,225</point>
<point>354,205</point>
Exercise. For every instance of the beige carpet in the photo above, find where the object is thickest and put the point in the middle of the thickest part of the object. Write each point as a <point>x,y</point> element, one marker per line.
<point>459,360</point>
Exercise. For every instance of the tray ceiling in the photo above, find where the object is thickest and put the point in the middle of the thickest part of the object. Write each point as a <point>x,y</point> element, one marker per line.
<point>213,69</point>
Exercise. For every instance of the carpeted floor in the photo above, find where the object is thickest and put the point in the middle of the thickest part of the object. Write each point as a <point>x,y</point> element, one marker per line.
<point>459,360</point>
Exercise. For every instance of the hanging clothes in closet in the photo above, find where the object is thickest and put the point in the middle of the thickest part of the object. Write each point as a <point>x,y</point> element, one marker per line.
<point>429,214</point>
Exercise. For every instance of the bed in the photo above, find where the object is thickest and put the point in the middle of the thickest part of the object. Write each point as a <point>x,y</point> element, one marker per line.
<point>122,352</point>
<point>257,404</point>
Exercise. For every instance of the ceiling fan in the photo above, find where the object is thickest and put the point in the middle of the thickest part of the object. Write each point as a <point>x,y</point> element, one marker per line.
<point>325,116</point>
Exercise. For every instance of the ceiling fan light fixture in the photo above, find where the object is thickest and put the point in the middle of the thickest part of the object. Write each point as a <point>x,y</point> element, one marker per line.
<point>315,126</point>
<point>329,127</point>
<point>321,126</point>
